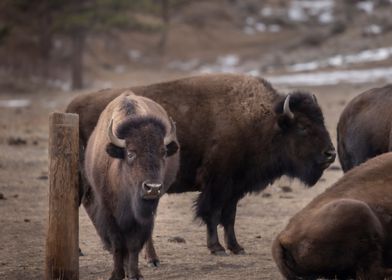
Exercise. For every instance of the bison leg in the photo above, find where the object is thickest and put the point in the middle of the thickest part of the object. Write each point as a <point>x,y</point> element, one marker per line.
<point>150,254</point>
<point>133,266</point>
<point>118,270</point>
<point>228,220</point>
<point>212,234</point>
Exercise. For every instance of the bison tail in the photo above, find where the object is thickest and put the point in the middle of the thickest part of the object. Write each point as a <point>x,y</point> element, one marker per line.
<point>284,260</point>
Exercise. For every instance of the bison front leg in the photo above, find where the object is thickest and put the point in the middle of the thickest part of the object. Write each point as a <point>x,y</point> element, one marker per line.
<point>228,221</point>
<point>150,253</point>
<point>133,266</point>
<point>118,269</point>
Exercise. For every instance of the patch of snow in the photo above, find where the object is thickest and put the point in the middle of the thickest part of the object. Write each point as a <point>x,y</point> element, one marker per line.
<point>251,29</point>
<point>307,66</point>
<point>260,27</point>
<point>326,17</point>
<point>334,77</point>
<point>134,54</point>
<point>15,103</point>
<point>373,29</point>
<point>228,60</point>
<point>300,11</point>
<point>184,65</point>
<point>296,13</point>
<point>366,6</point>
<point>341,60</point>
<point>227,63</point>
<point>57,83</point>
<point>254,72</point>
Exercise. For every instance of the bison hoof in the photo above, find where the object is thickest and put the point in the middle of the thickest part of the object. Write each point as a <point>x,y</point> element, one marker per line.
<point>238,251</point>
<point>219,252</point>
<point>153,263</point>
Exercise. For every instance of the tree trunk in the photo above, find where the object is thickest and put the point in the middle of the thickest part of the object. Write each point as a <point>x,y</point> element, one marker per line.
<point>78,41</point>
<point>165,13</point>
<point>45,43</point>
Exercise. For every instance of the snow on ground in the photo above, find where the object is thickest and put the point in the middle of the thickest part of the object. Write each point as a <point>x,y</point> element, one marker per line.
<point>14,103</point>
<point>334,77</point>
<point>300,11</point>
<point>344,60</point>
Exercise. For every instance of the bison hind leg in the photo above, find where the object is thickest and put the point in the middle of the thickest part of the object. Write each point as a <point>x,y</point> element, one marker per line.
<point>209,211</point>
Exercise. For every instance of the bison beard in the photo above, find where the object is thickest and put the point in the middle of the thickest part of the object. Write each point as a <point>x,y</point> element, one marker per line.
<point>237,135</point>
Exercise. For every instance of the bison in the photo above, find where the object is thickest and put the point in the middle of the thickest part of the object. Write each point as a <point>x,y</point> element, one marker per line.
<point>365,127</point>
<point>131,159</point>
<point>344,233</point>
<point>237,135</point>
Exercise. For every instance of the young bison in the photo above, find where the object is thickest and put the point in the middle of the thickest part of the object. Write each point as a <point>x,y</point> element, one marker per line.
<point>237,135</point>
<point>131,159</point>
<point>344,233</point>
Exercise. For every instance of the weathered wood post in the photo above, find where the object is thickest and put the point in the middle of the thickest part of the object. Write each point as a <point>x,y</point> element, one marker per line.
<point>62,242</point>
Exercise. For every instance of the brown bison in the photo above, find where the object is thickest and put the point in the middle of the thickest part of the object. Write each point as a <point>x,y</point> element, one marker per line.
<point>365,127</point>
<point>131,159</point>
<point>237,135</point>
<point>344,233</point>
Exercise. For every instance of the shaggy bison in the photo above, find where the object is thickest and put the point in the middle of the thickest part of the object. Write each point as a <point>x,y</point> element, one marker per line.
<point>365,127</point>
<point>344,233</point>
<point>131,158</point>
<point>237,135</point>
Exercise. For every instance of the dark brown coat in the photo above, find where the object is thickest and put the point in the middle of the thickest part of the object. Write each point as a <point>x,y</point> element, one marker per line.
<point>344,233</point>
<point>128,167</point>
<point>365,127</point>
<point>235,138</point>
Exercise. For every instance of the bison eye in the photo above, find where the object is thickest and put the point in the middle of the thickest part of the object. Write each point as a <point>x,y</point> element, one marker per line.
<point>302,129</point>
<point>131,155</point>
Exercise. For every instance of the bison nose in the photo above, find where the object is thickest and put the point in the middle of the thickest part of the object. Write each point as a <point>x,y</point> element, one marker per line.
<point>330,155</point>
<point>151,190</point>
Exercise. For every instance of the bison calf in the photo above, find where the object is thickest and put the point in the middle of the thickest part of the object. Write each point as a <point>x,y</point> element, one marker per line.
<point>365,127</point>
<point>130,160</point>
<point>345,232</point>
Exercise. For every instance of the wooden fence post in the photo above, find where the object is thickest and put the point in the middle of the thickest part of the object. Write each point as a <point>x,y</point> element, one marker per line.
<point>62,241</point>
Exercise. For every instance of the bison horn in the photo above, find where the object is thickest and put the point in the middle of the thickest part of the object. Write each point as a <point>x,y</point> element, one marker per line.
<point>286,107</point>
<point>314,98</point>
<point>113,138</point>
<point>172,132</point>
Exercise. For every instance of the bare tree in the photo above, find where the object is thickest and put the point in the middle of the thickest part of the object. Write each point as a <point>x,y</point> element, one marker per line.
<point>165,15</point>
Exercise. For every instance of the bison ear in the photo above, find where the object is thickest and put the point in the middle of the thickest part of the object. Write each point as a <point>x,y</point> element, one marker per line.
<point>171,148</point>
<point>114,151</point>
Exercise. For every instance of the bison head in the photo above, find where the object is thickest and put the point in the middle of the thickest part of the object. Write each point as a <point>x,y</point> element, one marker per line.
<point>304,142</point>
<point>148,160</point>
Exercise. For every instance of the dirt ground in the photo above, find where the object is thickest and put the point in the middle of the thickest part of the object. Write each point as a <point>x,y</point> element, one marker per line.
<point>24,202</point>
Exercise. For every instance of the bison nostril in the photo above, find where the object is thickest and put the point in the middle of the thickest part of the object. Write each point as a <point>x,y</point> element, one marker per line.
<point>152,187</point>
